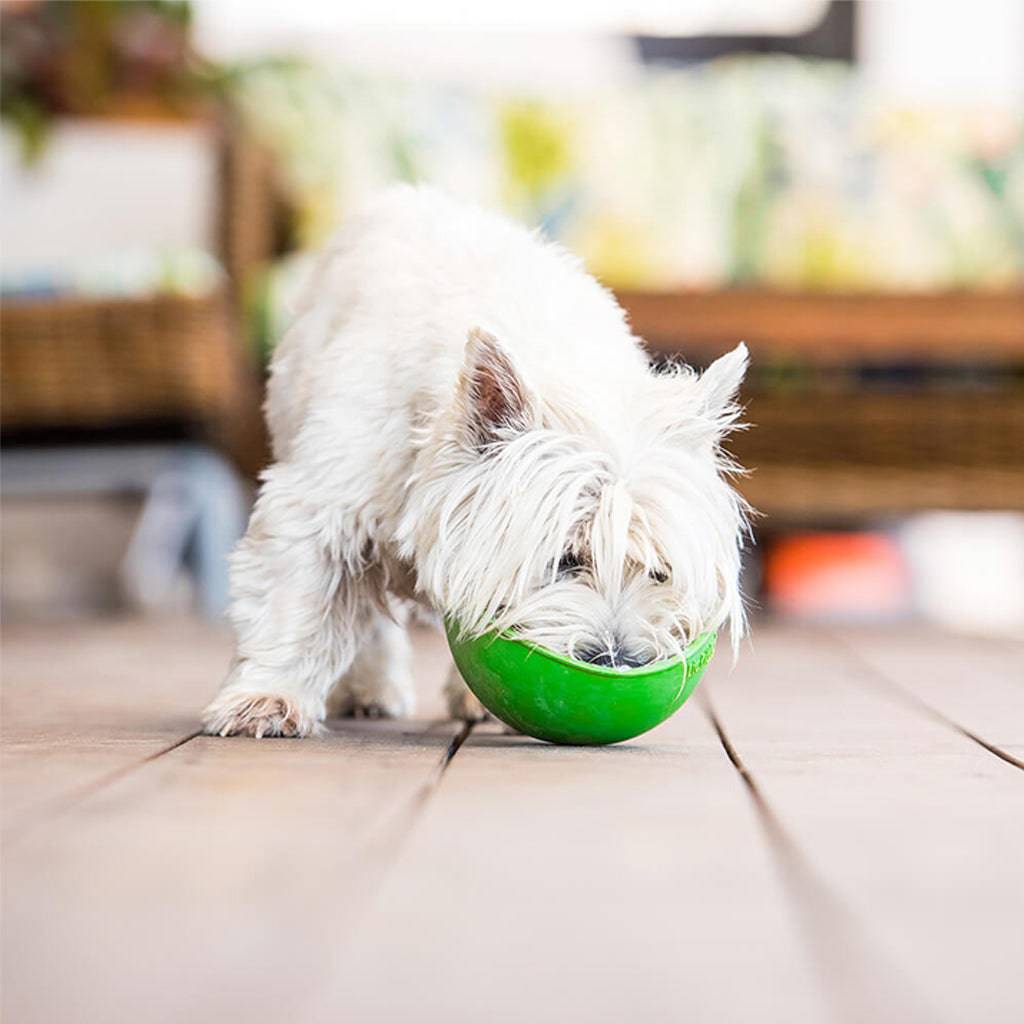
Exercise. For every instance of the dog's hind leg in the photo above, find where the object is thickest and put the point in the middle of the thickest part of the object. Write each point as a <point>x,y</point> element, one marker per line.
<point>379,683</point>
<point>300,613</point>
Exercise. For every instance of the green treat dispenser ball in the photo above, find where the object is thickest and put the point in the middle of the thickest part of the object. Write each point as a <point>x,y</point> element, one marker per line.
<point>555,698</point>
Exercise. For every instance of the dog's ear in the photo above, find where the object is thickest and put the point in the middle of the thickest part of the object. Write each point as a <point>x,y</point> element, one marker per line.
<point>720,382</point>
<point>497,401</point>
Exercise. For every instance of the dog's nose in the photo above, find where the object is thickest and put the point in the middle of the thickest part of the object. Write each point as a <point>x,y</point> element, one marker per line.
<point>603,657</point>
<point>614,657</point>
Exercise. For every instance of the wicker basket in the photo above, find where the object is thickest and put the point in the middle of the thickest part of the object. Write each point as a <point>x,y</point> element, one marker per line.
<point>836,446</point>
<point>857,452</point>
<point>78,363</point>
<point>863,429</point>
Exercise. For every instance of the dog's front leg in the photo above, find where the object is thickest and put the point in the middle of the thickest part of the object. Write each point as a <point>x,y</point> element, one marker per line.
<point>379,683</point>
<point>462,704</point>
<point>299,618</point>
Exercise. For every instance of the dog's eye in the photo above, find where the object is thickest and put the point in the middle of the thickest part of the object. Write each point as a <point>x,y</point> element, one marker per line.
<point>658,576</point>
<point>569,563</point>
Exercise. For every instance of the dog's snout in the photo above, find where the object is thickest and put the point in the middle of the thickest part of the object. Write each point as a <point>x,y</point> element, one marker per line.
<point>612,657</point>
<point>633,660</point>
<point>594,656</point>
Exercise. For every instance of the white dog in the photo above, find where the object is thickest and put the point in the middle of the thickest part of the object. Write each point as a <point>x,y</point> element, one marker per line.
<point>461,416</point>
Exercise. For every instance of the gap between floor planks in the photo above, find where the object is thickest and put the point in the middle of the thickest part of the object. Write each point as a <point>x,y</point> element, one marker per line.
<point>860,982</point>
<point>53,731</point>
<point>912,823</point>
<point>821,910</point>
<point>83,704</point>
<point>873,675</point>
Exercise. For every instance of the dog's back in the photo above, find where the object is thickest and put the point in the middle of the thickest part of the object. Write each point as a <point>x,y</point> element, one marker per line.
<point>396,292</point>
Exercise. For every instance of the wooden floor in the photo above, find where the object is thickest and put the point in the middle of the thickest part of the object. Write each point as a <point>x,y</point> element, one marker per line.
<point>834,832</point>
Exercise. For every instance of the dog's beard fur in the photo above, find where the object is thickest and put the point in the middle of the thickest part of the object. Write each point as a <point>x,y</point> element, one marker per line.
<point>613,546</point>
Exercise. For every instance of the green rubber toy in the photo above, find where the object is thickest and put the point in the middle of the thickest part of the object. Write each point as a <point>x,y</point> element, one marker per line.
<point>555,698</point>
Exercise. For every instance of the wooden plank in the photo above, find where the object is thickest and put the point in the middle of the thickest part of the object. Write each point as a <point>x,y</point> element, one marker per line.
<point>570,884</point>
<point>831,328</point>
<point>916,829</point>
<point>82,703</point>
<point>216,881</point>
<point>975,684</point>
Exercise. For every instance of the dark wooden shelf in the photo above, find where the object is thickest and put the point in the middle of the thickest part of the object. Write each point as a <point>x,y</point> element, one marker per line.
<point>820,327</point>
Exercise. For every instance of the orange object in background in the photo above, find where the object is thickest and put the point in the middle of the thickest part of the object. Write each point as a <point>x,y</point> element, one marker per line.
<point>837,575</point>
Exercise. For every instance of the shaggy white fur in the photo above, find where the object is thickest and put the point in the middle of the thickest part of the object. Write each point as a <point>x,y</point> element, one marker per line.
<point>461,416</point>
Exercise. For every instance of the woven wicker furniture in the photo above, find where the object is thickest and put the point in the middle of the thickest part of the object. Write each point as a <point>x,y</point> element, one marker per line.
<point>96,363</point>
<point>864,404</point>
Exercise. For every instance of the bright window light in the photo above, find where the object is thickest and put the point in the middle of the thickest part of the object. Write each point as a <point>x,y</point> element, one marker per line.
<point>221,21</point>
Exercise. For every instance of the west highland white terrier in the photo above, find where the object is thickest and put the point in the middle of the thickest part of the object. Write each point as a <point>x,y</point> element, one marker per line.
<point>461,417</point>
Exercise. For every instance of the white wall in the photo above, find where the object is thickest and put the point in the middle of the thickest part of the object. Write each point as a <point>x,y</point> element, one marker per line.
<point>945,51</point>
<point>530,44</point>
<point>932,50</point>
<point>102,187</point>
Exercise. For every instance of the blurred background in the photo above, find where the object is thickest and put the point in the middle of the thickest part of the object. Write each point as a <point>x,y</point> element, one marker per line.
<point>840,184</point>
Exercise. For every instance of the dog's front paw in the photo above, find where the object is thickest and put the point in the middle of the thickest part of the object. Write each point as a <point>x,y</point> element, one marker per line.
<point>363,694</point>
<point>352,707</point>
<point>240,713</point>
<point>463,705</point>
